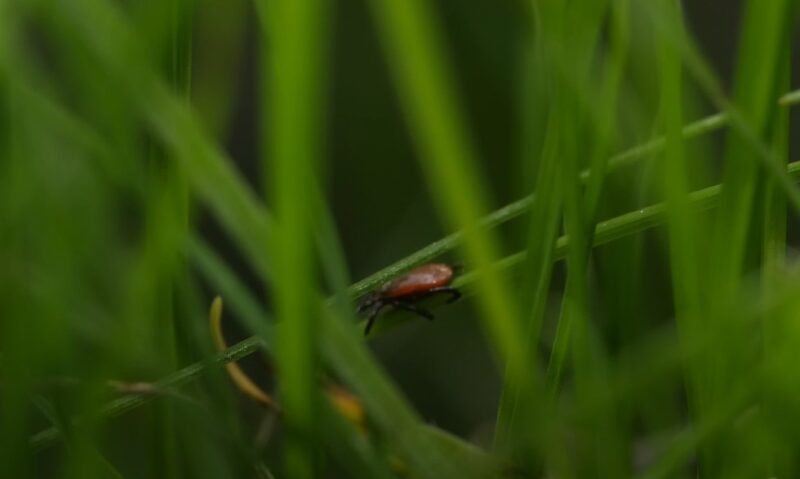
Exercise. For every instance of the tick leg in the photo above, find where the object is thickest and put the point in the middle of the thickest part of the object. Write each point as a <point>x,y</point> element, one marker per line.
<point>372,315</point>
<point>413,309</point>
<point>454,293</point>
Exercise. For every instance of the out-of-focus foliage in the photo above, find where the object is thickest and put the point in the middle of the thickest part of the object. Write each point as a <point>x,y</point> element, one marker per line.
<point>612,177</point>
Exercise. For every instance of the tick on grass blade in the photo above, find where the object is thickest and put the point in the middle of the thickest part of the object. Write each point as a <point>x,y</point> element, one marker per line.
<point>403,292</point>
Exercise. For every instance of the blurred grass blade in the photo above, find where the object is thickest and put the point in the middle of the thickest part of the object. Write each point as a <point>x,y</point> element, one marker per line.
<point>685,234</point>
<point>295,84</point>
<point>573,128</point>
<point>676,176</point>
<point>223,280</point>
<point>737,114</point>
<point>774,245</point>
<point>591,359</point>
<point>774,251</point>
<point>763,34</point>
<point>543,225</point>
<point>208,171</point>
<point>791,98</point>
<point>764,30</point>
<point>415,51</point>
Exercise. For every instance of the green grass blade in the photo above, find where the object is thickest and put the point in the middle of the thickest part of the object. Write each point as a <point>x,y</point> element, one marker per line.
<point>296,69</point>
<point>592,363</point>
<point>756,85</point>
<point>512,423</point>
<point>414,48</point>
<point>736,116</point>
<point>775,208</point>
<point>578,220</point>
<point>684,231</point>
<point>223,280</point>
<point>676,175</point>
<point>207,169</point>
<point>774,246</point>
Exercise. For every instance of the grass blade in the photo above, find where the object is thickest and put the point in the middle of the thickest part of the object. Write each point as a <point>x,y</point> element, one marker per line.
<point>412,43</point>
<point>296,68</point>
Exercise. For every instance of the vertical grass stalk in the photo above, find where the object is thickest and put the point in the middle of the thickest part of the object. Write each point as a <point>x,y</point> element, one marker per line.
<point>294,84</point>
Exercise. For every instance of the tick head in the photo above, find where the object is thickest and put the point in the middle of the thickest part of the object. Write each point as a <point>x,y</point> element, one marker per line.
<point>368,301</point>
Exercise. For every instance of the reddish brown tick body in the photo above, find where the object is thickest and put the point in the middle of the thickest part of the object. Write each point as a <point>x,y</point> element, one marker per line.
<point>402,292</point>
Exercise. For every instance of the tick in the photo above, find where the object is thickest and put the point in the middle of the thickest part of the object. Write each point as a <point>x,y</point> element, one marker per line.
<point>403,292</point>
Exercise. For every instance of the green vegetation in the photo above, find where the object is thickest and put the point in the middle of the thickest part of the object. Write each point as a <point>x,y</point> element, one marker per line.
<point>622,214</point>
